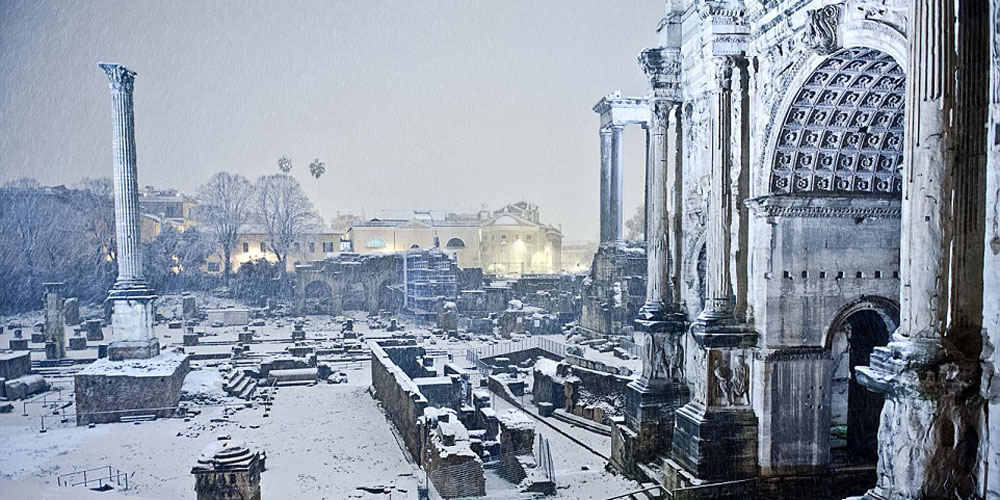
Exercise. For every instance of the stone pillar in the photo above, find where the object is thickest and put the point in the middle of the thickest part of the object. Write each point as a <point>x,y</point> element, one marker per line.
<point>55,327</point>
<point>991,269</point>
<point>657,277</point>
<point>228,470</point>
<point>615,192</point>
<point>606,225</point>
<point>930,371</point>
<point>675,203</point>
<point>132,319</point>
<point>715,434</point>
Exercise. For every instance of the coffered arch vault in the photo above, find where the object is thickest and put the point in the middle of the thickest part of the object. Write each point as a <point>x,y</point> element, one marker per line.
<point>843,133</point>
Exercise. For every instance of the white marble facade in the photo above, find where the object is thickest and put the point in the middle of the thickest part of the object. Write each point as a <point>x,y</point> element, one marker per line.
<point>815,128</point>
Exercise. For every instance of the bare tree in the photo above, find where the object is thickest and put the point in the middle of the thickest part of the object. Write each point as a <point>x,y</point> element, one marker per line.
<point>225,207</point>
<point>635,226</point>
<point>284,212</point>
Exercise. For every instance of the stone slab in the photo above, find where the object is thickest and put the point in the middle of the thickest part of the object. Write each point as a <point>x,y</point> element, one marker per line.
<point>108,390</point>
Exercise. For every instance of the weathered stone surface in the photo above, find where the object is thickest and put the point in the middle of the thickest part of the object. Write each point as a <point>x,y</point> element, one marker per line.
<point>228,470</point>
<point>108,390</point>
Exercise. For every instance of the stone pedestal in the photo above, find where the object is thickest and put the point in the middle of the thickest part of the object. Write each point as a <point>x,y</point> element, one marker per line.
<point>93,329</point>
<point>55,326</point>
<point>228,470</point>
<point>715,435</point>
<point>108,390</point>
<point>18,344</point>
<point>37,338</point>
<point>77,343</point>
<point>191,339</point>
<point>132,324</point>
<point>246,337</point>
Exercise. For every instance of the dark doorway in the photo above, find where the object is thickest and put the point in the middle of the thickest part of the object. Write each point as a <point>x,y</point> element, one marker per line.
<point>866,330</point>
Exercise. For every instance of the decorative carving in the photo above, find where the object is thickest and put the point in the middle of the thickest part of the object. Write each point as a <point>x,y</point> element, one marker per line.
<point>821,32</point>
<point>843,132</point>
<point>732,384</point>
<point>120,78</point>
<point>724,71</point>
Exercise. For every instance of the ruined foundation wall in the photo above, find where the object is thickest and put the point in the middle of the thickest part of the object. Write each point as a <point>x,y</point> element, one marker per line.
<point>399,396</point>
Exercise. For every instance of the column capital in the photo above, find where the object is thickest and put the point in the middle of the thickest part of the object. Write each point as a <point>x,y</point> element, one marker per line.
<point>120,78</point>
<point>605,130</point>
<point>723,66</point>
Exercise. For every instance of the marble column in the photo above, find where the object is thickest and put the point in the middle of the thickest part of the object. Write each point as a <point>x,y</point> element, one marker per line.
<point>675,203</point>
<point>715,434</point>
<point>132,319</point>
<point>718,236</point>
<point>55,326</point>
<point>991,269</point>
<point>615,190</point>
<point>658,290</point>
<point>606,185</point>
<point>930,372</point>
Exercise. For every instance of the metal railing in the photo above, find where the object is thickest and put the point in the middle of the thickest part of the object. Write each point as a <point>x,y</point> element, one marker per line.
<point>548,345</point>
<point>103,476</point>
<point>544,457</point>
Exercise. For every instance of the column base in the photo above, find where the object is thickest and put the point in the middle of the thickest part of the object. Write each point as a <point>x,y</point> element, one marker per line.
<point>714,329</point>
<point>932,391</point>
<point>716,444</point>
<point>120,350</point>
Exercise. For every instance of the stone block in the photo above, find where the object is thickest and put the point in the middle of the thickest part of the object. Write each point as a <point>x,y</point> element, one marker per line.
<point>22,387</point>
<point>14,365</point>
<point>94,330</point>
<point>190,339</point>
<point>77,343</point>
<point>246,337</point>
<point>18,344</point>
<point>108,390</point>
<point>228,470</point>
<point>71,311</point>
<point>120,350</point>
<point>37,337</point>
<point>546,409</point>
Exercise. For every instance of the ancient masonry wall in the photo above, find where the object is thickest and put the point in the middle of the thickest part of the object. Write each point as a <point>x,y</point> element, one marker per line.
<point>106,391</point>
<point>402,401</point>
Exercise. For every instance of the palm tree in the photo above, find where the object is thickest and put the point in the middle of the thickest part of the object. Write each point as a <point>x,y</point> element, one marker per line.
<point>284,164</point>
<point>317,168</point>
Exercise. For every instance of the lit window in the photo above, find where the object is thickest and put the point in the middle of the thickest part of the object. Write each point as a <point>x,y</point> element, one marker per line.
<point>375,243</point>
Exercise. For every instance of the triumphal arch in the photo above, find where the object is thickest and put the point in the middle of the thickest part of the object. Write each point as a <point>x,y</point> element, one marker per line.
<point>822,212</point>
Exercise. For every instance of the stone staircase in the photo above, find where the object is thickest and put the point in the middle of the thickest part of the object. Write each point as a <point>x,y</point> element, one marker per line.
<point>240,385</point>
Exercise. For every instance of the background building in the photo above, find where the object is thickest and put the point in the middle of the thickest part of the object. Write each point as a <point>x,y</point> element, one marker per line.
<point>510,241</point>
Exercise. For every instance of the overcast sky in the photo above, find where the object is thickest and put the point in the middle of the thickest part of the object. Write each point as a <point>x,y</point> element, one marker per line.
<point>412,104</point>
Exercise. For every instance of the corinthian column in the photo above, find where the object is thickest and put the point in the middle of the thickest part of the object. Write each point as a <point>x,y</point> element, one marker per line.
<point>126,182</point>
<point>606,185</point>
<point>720,215</point>
<point>132,320</point>
<point>930,371</point>
<point>658,290</point>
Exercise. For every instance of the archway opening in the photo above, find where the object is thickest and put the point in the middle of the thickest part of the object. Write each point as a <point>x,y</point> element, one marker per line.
<point>855,410</point>
<point>318,298</point>
<point>355,298</point>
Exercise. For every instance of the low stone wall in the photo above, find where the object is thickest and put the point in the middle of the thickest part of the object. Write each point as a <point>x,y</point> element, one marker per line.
<point>402,401</point>
<point>108,390</point>
<point>446,450</point>
<point>14,364</point>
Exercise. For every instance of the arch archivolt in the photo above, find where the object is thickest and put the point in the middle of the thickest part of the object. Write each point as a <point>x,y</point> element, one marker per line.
<point>786,67</point>
<point>887,309</point>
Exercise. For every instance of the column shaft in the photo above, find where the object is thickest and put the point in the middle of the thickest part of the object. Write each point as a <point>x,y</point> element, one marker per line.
<point>126,183</point>
<point>617,222</point>
<point>675,199</point>
<point>718,236</point>
<point>658,290</point>
<point>606,185</point>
